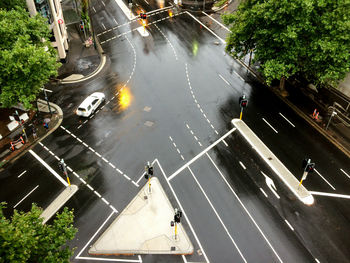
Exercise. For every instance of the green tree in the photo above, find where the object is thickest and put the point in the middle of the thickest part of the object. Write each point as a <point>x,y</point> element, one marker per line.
<point>13,4</point>
<point>306,37</point>
<point>27,60</point>
<point>25,239</point>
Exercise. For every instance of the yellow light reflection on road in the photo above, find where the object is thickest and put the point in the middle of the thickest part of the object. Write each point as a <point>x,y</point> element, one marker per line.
<point>124,98</point>
<point>195,47</point>
<point>170,13</point>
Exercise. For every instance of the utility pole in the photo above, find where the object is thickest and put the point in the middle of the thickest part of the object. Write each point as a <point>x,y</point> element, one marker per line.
<point>332,115</point>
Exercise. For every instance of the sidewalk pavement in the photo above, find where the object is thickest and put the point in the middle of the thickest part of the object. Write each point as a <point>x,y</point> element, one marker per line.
<point>36,120</point>
<point>300,99</point>
<point>83,61</point>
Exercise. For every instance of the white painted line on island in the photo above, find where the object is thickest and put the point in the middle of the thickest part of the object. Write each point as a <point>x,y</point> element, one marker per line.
<point>49,168</point>
<point>325,179</point>
<point>26,196</point>
<point>287,119</point>
<point>98,230</point>
<point>270,125</point>
<point>22,174</point>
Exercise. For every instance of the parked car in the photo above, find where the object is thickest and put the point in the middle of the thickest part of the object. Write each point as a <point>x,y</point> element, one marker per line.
<point>90,104</point>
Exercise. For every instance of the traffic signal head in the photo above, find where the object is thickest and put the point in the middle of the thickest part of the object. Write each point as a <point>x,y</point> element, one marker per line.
<point>244,103</point>
<point>143,16</point>
<point>310,167</point>
<point>146,175</point>
<point>150,170</point>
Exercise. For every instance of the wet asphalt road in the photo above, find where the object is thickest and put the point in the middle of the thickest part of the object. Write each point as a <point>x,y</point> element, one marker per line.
<point>184,92</point>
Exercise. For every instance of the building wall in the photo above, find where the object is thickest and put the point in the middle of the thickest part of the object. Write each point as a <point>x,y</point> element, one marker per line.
<point>52,10</point>
<point>344,86</point>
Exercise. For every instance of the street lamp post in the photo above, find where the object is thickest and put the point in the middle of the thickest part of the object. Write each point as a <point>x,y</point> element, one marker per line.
<point>332,115</point>
<point>48,104</point>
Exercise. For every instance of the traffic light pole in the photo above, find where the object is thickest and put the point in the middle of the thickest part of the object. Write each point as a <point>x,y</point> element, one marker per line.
<point>63,167</point>
<point>302,178</point>
<point>240,116</point>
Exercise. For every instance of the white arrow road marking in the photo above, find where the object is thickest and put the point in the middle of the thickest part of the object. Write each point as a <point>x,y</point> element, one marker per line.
<point>270,184</point>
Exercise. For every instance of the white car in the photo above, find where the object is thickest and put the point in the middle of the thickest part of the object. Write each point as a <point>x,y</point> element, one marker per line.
<point>90,104</point>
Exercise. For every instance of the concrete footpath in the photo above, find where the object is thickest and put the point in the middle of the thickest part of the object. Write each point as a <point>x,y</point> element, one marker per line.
<point>144,228</point>
<point>276,165</point>
<point>59,201</point>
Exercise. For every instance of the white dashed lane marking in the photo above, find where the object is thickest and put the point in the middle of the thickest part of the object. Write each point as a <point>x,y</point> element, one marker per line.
<point>82,180</point>
<point>199,106</point>
<point>100,156</point>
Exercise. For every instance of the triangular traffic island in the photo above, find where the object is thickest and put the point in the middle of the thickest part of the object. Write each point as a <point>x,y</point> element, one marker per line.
<point>144,228</point>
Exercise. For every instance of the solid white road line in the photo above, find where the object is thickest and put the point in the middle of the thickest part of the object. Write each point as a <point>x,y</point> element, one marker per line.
<point>98,230</point>
<point>200,154</point>
<point>330,194</point>
<point>46,90</point>
<point>103,3</point>
<point>217,22</point>
<point>345,173</point>
<point>146,2</point>
<point>243,166</point>
<point>262,190</point>
<point>325,179</point>
<point>287,119</point>
<point>94,9</point>
<point>239,76</point>
<point>217,215</point>
<point>245,209</point>
<point>270,125</point>
<point>140,178</point>
<point>183,211</point>
<point>49,168</point>
<point>26,196</point>
<point>290,226</point>
<point>115,21</point>
<point>224,80</point>
<point>104,27</point>
<point>184,259</point>
<point>222,41</point>
<point>22,174</point>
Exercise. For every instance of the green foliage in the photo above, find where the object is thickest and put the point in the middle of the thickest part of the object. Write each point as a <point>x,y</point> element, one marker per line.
<point>26,61</point>
<point>220,3</point>
<point>25,239</point>
<point>12,4</point>
<point>308,37</point>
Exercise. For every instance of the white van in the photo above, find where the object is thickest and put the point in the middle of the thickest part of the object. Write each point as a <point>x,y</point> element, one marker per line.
<point>90,104</point>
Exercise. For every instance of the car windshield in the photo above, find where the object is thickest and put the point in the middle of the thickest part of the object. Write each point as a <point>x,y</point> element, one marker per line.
<point>81,109</point>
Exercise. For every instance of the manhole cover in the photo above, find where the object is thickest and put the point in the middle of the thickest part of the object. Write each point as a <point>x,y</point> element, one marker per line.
<point>149,123</point>
<point>173,248</point>
<point>145,197</point>
<point>270,158</point>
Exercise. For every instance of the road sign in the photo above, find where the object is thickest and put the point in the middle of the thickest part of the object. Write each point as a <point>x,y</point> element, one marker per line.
<point>60,21</point>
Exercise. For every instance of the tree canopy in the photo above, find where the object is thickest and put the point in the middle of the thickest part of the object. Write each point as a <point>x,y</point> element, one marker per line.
<point>13,4</point>
<point>25,239</point>
<point>306,37</point>
<point>27,60</point>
